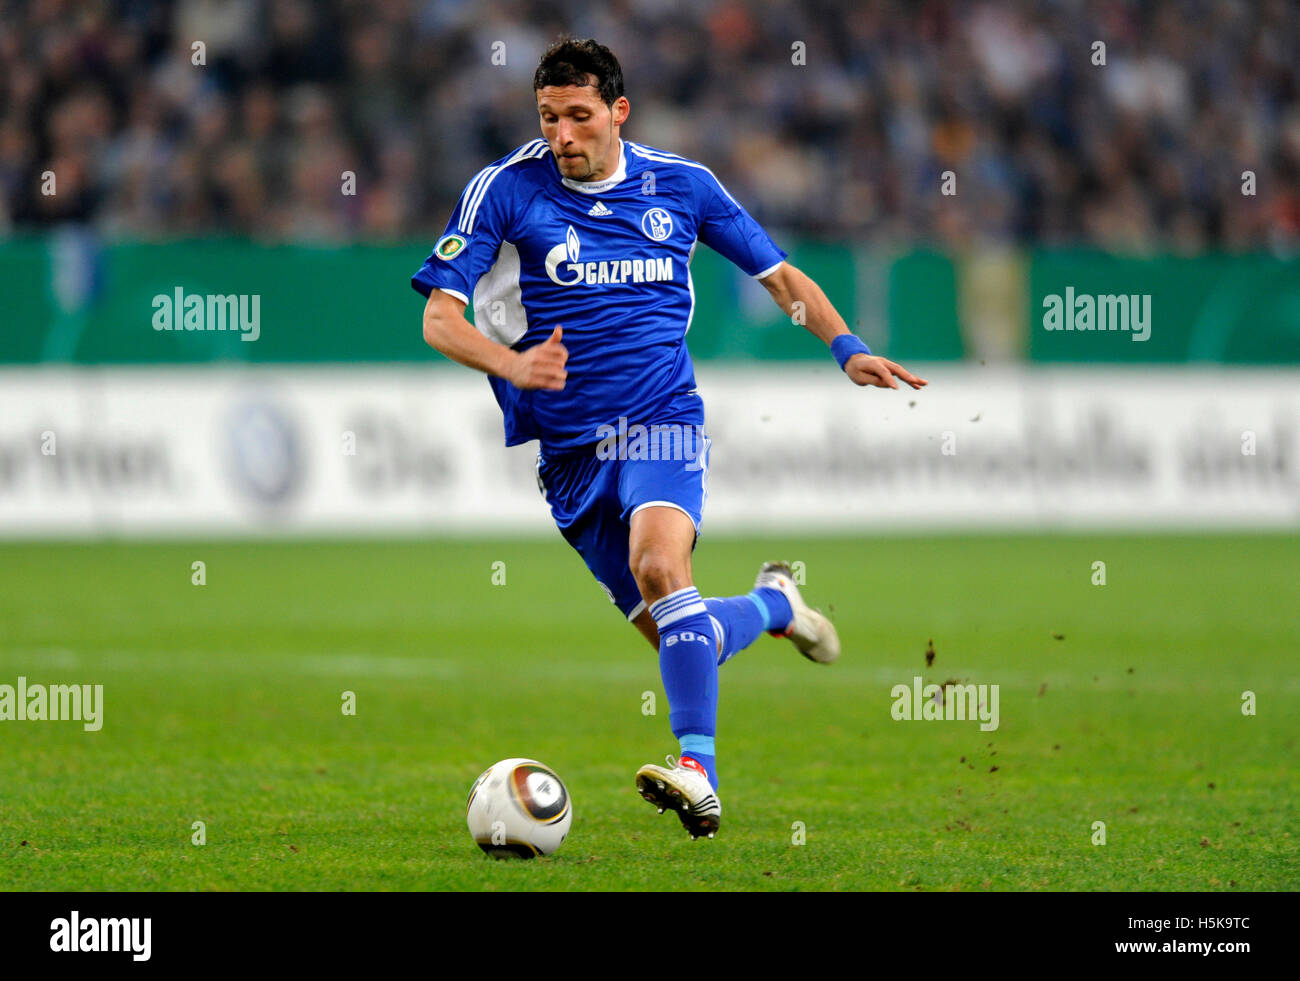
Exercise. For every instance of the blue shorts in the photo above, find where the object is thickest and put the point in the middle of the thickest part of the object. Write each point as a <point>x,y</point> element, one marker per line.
<point>594,491</point>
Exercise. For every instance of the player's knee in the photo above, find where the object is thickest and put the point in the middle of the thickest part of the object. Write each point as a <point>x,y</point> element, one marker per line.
<point>658,573</point>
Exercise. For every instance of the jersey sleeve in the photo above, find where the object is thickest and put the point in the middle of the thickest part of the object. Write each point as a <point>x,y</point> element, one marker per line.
<point>729,230</point>
<point>469,244</point>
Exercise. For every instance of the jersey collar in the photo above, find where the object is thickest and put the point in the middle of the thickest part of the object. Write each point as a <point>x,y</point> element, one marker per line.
<point>600,187</point>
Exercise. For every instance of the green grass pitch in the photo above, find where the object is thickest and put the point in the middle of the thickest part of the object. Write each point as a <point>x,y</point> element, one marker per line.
<point>222,704</point>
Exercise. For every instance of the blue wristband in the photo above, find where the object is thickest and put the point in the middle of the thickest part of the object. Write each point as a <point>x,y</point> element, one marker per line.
<point>847,345</point>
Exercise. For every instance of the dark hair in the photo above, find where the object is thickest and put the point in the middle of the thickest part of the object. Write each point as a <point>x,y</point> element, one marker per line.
<point>570,62</point>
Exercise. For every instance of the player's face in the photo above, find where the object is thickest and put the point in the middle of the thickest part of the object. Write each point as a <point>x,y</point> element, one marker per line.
<point>581,130</point>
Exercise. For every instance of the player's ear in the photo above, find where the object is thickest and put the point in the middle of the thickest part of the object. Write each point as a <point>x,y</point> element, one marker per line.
<point>621,109</point>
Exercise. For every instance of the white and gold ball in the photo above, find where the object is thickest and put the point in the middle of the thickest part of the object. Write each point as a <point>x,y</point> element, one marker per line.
<point>519,808</point>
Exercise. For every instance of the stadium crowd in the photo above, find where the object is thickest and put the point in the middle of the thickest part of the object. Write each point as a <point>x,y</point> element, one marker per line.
<point>829,118</point>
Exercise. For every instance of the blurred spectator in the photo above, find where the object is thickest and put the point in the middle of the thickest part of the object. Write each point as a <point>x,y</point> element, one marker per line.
<point>830,118</point>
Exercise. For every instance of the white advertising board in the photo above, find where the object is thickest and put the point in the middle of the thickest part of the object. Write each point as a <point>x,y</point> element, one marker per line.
<point>408,450</point>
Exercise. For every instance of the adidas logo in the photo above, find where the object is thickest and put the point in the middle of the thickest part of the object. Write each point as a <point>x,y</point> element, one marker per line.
<point>691,764</point>
<point>599,210</point>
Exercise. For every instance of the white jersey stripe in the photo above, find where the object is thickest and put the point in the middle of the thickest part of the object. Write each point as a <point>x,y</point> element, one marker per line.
<point>467,222</point>
<point>533,149</point>
<point>469,193</point>
<point>661,157</point>
<point>661,153</point>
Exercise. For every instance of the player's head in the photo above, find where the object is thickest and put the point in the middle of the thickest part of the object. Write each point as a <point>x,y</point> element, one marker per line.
<point>579,89</point>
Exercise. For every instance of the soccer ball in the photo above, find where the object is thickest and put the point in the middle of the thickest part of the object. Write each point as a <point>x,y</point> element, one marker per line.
<point>518,808</point>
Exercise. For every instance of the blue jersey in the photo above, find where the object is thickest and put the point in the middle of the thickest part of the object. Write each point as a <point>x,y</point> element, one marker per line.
<point>609,261</point>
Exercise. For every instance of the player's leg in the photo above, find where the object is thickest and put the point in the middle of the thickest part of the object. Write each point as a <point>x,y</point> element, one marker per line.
<point>664,498</point>
<point>659,554</point>
<point>738,620</point>
<point>645,623</point>
<point>775,606</point>
<point>661,537</point>
<point>812,634</point>
<point>680,480</point>
<point>587,505</point>
<point>582,492</point>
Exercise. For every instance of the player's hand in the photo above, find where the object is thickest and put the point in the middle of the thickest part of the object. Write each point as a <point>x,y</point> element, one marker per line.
<point>542,365</point>
<point>868,369</point>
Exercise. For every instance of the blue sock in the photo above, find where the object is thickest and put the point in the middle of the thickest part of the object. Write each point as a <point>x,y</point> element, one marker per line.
<point>688,663</point>
<point>738,620</point>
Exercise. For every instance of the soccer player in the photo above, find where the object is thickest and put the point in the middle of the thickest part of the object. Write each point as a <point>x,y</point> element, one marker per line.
<point>575,249</point>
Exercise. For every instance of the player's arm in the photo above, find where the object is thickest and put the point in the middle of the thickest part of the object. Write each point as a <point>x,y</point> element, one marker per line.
<point>789,286</point>
<point>447,331</point>
<point>469,246</point>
